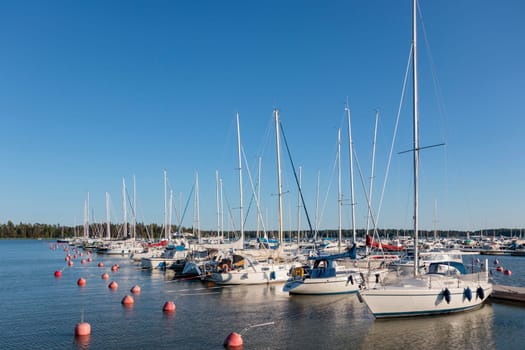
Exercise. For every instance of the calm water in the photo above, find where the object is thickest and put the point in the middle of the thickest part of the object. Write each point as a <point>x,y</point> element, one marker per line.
<point>39,311</point>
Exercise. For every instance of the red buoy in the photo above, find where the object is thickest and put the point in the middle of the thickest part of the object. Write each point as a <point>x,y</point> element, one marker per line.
<point>83,261</point>
<point>128,300</point>
<point>113,285</point>
<point>58,273</point>
<point>100,264</point>
<point>82,328</point>
<point>70,263</point>
<point>135,289</point>
<point>105,276</point>
<point>499,268</point>
<point>233,340</point>
<point>507,272</point>
<point>81,282</point>
<point>169,306</point>
<point>114,268</point>
<point>90,260</point>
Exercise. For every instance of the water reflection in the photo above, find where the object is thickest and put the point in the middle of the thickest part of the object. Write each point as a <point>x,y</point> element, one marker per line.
<point>82,341</point>
<point>468,330</point>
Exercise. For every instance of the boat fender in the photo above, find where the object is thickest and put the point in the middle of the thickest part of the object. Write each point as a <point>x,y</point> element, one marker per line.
<point>377,278</point>
<point>467,293</point>
<point>480,293</point>
<point>350,279</point>
<point>446,295</point>
<point>272,275</point>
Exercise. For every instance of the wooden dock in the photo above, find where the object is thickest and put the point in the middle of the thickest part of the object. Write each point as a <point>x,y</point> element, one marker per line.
<point>508,293</point>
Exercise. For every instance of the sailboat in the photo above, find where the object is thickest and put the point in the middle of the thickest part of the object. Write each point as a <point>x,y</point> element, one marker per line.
<point>243,267</point>
<point>448,286</point>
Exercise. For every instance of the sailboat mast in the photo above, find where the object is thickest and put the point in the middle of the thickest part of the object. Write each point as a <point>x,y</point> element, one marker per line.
<point>372,174</point>
<point>124,213</point>
<point>339,196</point>
<point>134,208</point>
<point>240,179</point>
<point>416,137</point>
<point>165,207</point>
<point>108,226</point>
<point>279,180</point>
<point>351,170</point>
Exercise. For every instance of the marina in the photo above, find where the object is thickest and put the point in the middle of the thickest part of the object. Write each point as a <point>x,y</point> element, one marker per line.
<point>34,299</point>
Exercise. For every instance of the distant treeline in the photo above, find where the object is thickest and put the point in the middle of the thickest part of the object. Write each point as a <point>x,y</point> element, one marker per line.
<point>155,231</point>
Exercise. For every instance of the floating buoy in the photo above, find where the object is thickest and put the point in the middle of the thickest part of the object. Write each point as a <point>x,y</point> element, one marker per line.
<point>83,261</point>
<point>105,276</point>
<point>114,268</point>
<point>169,306</point>
<point>233,340</point>
<point>135,289</point>
<point>128,300</point>
<point>58,273</point>
<point>100,264</point>
<point>467,293</point>
<point>81,282</point>
<point>70,263</point>
<point>113,285</point>
<point>89,260</point>
<point>499,268</point>
<point>446,295</point>
<point>507,272</point>
<point>496,262</point>
<point>480,293</point>
<point>82,328</point>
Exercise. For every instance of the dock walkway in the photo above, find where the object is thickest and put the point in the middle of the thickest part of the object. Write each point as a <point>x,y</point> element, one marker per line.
<point>508,293</point>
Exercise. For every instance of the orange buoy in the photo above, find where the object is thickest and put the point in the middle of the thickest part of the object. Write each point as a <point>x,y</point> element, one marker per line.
<point>82,328</point>
<point>233,340</point>
<point>169,306</point>
<point>58,273</point>
<point>113,285</point>
<point>105,276</point>
<point>135,289</point>
<point>128,300</point>
<point>100,264</point>
<point>507,272</point>
<point>499,268</point>
<point>81,282</point>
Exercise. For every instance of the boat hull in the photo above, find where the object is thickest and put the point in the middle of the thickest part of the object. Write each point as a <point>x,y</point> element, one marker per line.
<point>322,286</point>
<point>401,301</point>
<point>250,277</point>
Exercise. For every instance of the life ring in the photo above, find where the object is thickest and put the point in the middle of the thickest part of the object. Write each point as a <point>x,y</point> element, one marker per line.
<point>298,272</point>
<point>225,267</point>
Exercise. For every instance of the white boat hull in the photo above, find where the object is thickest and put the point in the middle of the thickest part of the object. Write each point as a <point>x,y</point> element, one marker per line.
<point>248,276</point>
<point>403,301</point>
<point>322,286</point>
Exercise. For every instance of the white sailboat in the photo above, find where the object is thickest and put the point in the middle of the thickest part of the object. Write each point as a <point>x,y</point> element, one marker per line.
<point>244,268</point>
<point>448,286</point>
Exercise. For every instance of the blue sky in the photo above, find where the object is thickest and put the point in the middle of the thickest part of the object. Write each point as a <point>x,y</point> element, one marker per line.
<point>95,91</point>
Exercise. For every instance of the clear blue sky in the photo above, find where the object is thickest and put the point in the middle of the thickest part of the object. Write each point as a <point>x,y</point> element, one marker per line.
<point>94,91</point>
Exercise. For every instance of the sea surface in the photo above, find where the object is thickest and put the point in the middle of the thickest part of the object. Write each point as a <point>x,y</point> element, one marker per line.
<point>39,311</point>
